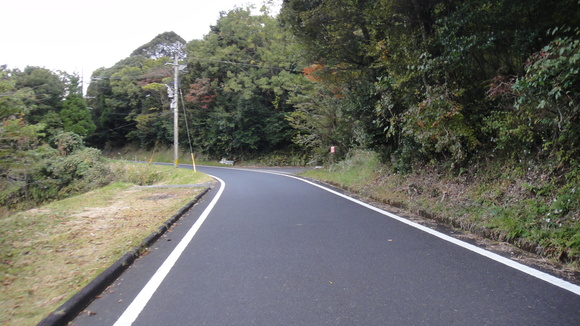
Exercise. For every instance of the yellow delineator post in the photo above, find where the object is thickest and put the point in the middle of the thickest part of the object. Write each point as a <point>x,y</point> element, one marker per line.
<point>193,163</point>
<point>152,154</point>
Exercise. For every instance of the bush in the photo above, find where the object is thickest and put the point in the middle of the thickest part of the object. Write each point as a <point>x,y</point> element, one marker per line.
<point>438,125</point>
<point>546,115</point>
<point>45,175</point>
<point>67,142</point>
<point>139,174</point>
<point>80,171</point>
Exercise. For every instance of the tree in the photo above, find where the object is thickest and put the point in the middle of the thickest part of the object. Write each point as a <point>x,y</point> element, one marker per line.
<point>359,47</point>
<point>16,135</point>
<point>321,120</point>
<point>76,117</point>
<point>48,89</point>
<point>163,45</point>
<point>239,81</point>
<point>120,94</point>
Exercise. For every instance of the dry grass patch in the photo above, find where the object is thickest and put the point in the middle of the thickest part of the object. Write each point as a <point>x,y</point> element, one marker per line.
<point>50,253</point>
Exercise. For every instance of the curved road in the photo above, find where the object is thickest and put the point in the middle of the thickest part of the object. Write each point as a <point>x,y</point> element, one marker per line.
<point>276,250</point>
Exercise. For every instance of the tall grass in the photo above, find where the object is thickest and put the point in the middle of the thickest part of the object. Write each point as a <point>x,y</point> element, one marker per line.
<point>148,174</point>
<point>359,168</point>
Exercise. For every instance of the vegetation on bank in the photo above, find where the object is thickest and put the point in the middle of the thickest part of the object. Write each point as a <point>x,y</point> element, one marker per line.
<point>51,252</point>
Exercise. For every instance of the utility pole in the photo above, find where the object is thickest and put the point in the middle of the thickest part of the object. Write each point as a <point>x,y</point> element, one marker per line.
<point>175,106</point>
<point>174,95</point>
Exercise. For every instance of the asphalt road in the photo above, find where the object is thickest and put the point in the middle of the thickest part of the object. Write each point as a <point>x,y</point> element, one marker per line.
<point>275,250</point>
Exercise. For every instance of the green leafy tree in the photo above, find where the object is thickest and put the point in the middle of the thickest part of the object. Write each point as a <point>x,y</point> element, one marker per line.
<point>438,125</point>
<point>321,121</point>
<point>48,88</point>
<point>239,81</point>
<point>16,135</point>
<point>365,48</point>
<point>120,94</point>
<point>76,117</point>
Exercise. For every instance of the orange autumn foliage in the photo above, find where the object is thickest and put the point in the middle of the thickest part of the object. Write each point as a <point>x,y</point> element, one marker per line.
<point>310,72</point>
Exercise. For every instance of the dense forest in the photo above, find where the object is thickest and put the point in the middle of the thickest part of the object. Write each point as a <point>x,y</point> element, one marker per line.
<point>422,80</point>
<point>446,83</point>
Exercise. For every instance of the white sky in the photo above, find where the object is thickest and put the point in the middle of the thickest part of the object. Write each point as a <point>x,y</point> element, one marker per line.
<point>81,36</point>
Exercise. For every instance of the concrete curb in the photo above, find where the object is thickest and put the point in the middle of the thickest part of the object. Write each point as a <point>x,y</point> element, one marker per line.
<point>73,306</point>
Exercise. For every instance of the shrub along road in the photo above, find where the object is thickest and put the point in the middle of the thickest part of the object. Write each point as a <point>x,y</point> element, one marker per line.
<point>275,250</point>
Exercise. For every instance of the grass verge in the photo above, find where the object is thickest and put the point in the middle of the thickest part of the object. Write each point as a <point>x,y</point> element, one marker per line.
<point>51,252</point>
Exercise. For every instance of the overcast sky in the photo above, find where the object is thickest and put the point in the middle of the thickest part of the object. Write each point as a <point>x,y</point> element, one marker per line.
<point>81,36</point>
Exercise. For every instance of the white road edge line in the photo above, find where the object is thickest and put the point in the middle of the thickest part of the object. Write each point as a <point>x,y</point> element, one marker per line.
<point>500,259</point>
<point>135,308</point>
